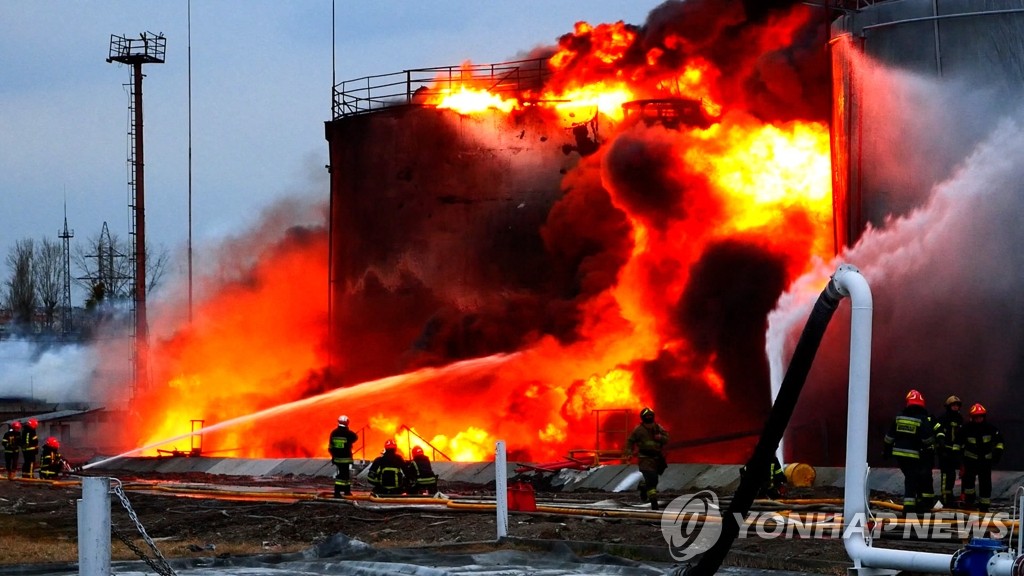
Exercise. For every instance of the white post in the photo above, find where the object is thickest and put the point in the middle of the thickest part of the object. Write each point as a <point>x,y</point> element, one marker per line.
<point>501,488</point>
<point>94,527</point>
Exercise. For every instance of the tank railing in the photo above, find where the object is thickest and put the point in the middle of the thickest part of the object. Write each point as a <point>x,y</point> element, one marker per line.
<point>371,93</point>
<point>435,449</point>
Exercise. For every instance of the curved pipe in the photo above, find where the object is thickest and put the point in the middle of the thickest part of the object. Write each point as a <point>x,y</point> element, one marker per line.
<point>848,281</point>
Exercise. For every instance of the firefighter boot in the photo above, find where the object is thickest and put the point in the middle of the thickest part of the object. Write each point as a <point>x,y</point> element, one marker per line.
<point>654,502</point>
<point>642,489</point>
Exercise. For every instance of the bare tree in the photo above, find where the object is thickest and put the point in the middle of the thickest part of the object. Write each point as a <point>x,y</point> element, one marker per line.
<point>48,273</point>
<point>21,290</point>
<point>106,265</point>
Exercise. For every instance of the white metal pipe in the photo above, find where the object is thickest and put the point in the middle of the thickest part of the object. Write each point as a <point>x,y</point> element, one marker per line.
<point>849,282</point>
<point>94,527</point>
<point>501,488</point>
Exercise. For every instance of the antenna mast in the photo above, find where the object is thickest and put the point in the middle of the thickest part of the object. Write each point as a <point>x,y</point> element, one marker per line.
<point>148,48</point>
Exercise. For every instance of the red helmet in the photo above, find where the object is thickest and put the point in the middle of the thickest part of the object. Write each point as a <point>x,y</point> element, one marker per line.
<point>978,410</point>
<point>16,426</point>
<point>52,442</point>
<point>33,423</point>
<point>390,445</point>
<point>914,398</point>
<point>417,451</point>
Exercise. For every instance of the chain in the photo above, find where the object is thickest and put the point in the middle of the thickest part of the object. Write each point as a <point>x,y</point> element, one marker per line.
<point>158,563</point>
<point>138,552</point>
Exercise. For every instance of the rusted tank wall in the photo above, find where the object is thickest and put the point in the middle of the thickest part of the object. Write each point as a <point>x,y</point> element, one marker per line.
<point>431,210</point>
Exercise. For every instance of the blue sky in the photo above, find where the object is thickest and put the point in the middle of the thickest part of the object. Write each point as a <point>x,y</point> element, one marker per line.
<point>261,74</point>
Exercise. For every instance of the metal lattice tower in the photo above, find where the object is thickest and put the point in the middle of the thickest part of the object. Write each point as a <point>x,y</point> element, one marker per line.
<point>148,48</point>
<point>66,311</point>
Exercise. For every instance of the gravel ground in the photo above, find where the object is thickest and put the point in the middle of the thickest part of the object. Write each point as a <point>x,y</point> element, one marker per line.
<point>194,523</point>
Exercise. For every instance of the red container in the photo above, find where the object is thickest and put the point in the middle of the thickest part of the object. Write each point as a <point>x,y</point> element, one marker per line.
<point>521,498</point>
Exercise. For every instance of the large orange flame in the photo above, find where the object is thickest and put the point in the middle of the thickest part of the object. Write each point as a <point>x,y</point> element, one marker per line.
<point>258,342</point>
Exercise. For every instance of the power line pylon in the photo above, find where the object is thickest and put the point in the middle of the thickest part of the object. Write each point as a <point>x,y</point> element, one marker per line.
<point>66,310</point>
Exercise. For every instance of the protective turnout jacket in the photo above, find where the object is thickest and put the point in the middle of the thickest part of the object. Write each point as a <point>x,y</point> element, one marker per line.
<point>11,441</point>
<point>339,446</point>
<point>387,472</point>
<point>949,434</point>
<point>649,440</point>
<point>911,435</point>
<point>421,472</point>
<point>983,442</point>
<point>50,462</point>
<point>29,441</point>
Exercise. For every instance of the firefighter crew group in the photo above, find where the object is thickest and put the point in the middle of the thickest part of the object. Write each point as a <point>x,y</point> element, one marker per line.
<point>389,473</point>
<point>22,440</point>
<point>968,447</point>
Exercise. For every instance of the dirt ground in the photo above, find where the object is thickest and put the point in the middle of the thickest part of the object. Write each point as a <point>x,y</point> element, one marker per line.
<point>38,524</point>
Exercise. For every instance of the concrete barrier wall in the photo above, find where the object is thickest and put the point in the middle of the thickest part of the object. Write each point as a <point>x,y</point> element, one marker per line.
<point>613,478</point>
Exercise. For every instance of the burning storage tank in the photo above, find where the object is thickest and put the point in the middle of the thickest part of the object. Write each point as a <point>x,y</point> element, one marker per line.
<point>436,206</point>
<point>970,45</point>
<point>917,85</point>
<point>471,234</point>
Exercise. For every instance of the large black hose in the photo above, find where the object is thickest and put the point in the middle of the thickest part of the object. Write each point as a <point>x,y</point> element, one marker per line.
<point>759,465</point>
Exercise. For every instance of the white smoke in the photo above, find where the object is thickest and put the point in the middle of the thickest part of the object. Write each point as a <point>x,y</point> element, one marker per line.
<point>945,276</point>
<point>46,372</point>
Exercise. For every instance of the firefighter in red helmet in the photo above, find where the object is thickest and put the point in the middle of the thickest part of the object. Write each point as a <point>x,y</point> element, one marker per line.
<point>648,441</point>
<point>51,463</point>
<point>12,447</point>
<point>339,446</point>
<point>911,439</point>
<point>29,447</point>
<point>983,448</point>
<point>387,472</point>
<point>420,473</point>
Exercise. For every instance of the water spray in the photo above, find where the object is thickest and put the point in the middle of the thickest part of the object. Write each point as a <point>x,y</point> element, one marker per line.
<point>464,367</point>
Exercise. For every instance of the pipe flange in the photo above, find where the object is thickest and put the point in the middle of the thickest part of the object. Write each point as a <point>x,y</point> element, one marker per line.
<point>1017,569</point>
<point>955,559</point>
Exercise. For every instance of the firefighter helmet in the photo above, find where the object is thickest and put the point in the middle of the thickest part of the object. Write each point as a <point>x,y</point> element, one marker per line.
<point>647,415</point>
<point>417,451</point>
<point>16,426</point>
<point>978,410</point>
<point>52,442</point>
<point>390,445</point>
<point>33,423</point>
<point>914,398</point>
<point>953,400</point>
<point>343,420</point>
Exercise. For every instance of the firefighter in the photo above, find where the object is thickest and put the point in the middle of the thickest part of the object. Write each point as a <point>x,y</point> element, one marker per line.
<point>949,437</point>
<point>387,472</point>
<point>12,446</point>
<point>774,485</point>
<point>420,473</point>
<point>983,448</point>
<point>29,447</point>
<point>339,446</point>
<point>51,463</point>
<point>911,439</point>
<point>648,441</point>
